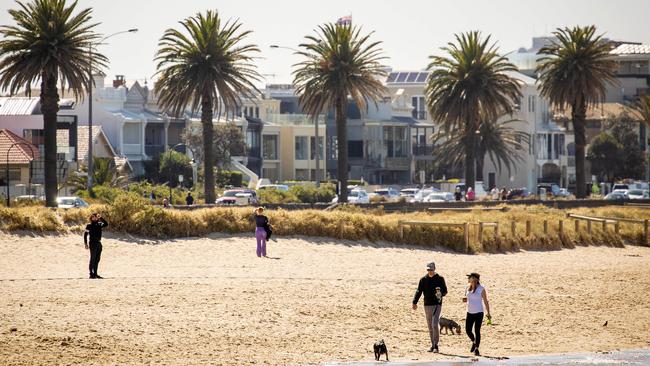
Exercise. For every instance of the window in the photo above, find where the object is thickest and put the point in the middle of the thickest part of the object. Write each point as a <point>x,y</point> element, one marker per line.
<point>332,148</point>
<point>549,146</point>
<point>132,134</point>
<point>312,146</point>
<point>518,145</point>
<point>36,137</point>
<point>14,177</point>
<point>301,148</point>
<point>252,139</point>
<point>270,147</point>
<point>419,108</point>
<point>388,141</point>
<point>401,142</point>
<point>257,112</point>
<point>531,103</point>
<point>302,174</point>
<point>355,149</point>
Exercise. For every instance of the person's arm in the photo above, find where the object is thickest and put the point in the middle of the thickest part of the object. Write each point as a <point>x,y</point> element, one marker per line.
<point>487,303</point>
<point>104,222</point>
<point>443,288</point>
<point>418,293</point>
<point>86,232</point>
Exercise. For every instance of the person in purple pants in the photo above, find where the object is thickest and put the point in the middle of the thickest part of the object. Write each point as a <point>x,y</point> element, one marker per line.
<point>261,223</point>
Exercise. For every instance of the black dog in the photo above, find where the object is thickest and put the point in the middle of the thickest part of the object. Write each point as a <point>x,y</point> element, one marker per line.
<point>380,349</point>
<point>449,325</point>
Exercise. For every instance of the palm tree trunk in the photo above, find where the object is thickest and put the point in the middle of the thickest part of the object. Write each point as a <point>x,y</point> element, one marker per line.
<point>579,113</point>
<point>470,160</point>
<point>342,143</point>
<point>480,162</point>
<point>208,143</point>
<point>49,108</point>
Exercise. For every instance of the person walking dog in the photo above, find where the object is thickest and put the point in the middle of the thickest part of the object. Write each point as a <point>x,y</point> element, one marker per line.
<point>475,297</point>
<point>92,241</point>
<point>434,289</point>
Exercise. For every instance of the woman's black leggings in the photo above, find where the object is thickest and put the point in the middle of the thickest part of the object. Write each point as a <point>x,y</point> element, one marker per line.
<point>474,320</point>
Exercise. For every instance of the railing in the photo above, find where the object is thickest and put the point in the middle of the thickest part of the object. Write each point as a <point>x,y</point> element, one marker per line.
<point>131,149</point>
<point>153,150</point>
<point>420,150</point>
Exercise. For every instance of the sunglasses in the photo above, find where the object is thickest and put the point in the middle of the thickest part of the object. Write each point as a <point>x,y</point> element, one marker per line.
<point>429,270</point>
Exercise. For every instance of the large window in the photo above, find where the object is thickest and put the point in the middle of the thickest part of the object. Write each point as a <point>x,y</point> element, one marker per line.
<point>301,148</point>
<point>132,134</point>
<point>14,177</point>
<point>312,145</point>
<point>388,141</point>
<point>401,142</point>
<point>419,109</point>
<point>270,147</point>
<point>332,148</point>
<point>355,149</point>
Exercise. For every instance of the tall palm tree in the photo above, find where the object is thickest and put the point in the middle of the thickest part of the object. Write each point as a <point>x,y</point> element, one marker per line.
<point>574,71</point>
<point>497,140</point>
<point>469,85</point>
<point>205,66</point>
<point>340,62</point>
<point>49,44</point>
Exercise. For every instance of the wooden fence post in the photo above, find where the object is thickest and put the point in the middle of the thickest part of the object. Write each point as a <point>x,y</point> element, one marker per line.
<point>480,232</point>
<point>496,231</point>
<point>513,228</point>
<point>466,235</point>
<point>401,229</point>
<point>528,227</point>
<point>588,226</point>
<point>577,222</point>
<point>617,227</point>
<point>545,227</point>
<point>645,231</point>
<point>561,227</point>
<point>604,225</point>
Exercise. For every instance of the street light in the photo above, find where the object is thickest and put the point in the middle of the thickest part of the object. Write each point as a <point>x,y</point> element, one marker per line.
<point>31,148</point>
<point>317,149</point>
<point>90,104</point>
<point>191,163</point>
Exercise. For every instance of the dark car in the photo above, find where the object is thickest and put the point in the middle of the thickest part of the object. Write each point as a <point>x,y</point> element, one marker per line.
<point>518,193</point>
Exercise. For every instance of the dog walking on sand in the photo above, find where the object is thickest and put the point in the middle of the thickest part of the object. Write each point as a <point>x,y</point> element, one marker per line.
<point>434,289</point>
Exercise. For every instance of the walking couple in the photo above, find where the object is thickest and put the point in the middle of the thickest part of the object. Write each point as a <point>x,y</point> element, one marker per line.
<point>433,286</point>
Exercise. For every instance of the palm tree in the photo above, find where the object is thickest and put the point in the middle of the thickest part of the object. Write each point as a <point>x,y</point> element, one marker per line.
<point>468,86</point>
<point>339,63</point>
<point>574,71</point>
<point>105,173</point>
<point>49,44</point>
<point>205,66</point>
<point>496,140</point>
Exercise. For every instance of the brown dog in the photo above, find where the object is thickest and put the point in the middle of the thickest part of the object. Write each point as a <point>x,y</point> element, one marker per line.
<point>449,325</point>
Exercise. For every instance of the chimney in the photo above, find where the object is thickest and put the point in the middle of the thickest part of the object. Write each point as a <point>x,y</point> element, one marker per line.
<point>119,81</point>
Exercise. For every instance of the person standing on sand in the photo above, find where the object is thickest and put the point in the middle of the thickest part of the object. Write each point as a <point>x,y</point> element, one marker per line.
<point>434,288</point>
<point>261,223</point>
<point>475,296</point>
<point>92,241</point>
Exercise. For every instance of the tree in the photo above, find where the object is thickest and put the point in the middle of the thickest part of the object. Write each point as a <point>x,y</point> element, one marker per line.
<point>574,71</point>
<point>173,164</point>
<point>205,66</point>
<point>105,173</point>
<point>633,161</point>
<point>470,85</point>
<point>228,141</point>
<point>605,157</point>
<point>48,44</point>
<point>339,62</point>
<point>496,140</point>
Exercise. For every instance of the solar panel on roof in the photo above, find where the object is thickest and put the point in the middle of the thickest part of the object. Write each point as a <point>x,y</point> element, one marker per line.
<point>391,77</point>
<point>411,77</point>
<point>402,77</point>
<point>422,77</point>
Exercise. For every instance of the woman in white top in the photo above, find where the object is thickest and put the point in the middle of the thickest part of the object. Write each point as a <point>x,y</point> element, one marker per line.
<point>475,297</point>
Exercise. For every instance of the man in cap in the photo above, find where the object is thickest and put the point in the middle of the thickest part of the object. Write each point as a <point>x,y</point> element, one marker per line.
<point>434,288</point>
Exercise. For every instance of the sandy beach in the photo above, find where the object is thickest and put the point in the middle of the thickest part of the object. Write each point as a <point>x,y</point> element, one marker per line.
<point>316,300</point>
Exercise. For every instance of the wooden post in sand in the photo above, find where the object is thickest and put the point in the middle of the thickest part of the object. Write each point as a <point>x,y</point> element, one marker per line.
<point>480,232</point>
<point>545,227</point>
<point>561,227</point>
<point>617,227</point>
<point>645,231</point>
<point>401,229</point>
<point>588,226</point>
<point>466,237</point>
<point>604,225</point>
<point>496,231</point>
<point>528,227</point>
<point>577,226</point>
<point>513,228</point>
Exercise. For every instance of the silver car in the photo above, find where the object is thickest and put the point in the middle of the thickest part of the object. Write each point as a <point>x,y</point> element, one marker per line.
<point>70,202</point>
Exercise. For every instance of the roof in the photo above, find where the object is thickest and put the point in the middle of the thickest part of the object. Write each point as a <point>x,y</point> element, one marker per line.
<point>20,153</point>
<point>601,111</point>
<point>631,49</point>
<point>19,106</point>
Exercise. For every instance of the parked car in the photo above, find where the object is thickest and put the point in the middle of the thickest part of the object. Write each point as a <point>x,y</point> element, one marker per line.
<point>355,195</point>
<point>637,194</point>
<point>518,193</point>
<point>552,189</point>
<point>563,192</point>
<point>620,187</point>
<point>237,197</point>
<point>617,195</point>
<point>390,194</point>
<point>30,197</point>
<point>440,197</point>
<point>70,202</point>
<point>409,193</point>
<point>279,187</point>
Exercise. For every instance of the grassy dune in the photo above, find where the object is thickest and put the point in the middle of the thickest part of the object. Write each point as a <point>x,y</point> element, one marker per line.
<point>132,214</point>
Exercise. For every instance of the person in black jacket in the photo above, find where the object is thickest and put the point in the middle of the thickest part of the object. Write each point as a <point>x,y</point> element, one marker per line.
<point>92,241</point>
<point>434,289</point>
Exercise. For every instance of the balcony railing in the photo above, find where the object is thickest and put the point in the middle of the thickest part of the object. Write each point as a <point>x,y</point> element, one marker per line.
<point>423,150</point>
<point>420,115</point>
<point>131,149</point>
<point>153,150</point>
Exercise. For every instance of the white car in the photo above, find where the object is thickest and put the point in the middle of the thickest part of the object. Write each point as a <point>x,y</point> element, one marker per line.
<point>409,193</point>
<point>70,202</point>
<point>440,197</point>
<point>390,194</point>
<point>637,194</point>
<point>356,195</point>
<point>617,195</point>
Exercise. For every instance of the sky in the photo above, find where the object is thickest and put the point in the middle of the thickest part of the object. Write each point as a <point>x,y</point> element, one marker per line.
<point>410,30</point>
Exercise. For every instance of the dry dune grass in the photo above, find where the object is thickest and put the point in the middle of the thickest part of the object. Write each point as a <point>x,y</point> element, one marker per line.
<point>131,214</point>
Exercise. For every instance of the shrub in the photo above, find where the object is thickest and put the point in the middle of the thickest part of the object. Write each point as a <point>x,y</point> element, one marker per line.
<point>275,196</point>
<point>229,178</point>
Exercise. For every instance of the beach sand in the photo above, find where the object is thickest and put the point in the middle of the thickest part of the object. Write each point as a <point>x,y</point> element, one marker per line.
<point>316,300</point>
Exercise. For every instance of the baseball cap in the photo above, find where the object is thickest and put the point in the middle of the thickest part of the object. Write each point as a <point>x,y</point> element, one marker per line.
<point>431,266</point>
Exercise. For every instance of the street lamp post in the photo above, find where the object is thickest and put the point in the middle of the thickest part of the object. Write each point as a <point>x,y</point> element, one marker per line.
<point>31,148</point>
<point>90,105</point>
<point>171,173</point>
<point>317,149</point>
